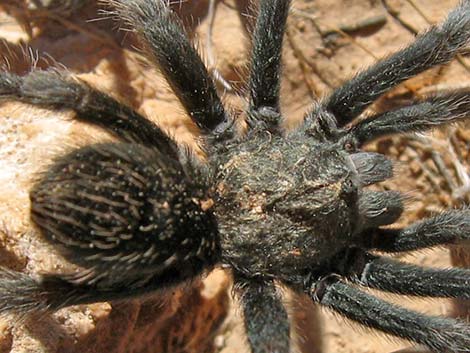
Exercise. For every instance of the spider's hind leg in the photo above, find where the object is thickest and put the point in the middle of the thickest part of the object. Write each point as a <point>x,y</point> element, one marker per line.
<point>23,295</point>
<point>55,89</point>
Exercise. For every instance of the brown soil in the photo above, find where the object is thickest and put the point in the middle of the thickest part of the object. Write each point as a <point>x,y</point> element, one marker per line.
<point>327,41</point>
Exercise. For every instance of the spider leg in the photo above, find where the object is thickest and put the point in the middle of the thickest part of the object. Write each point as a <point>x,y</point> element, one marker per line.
<point>127,215</point>
<point>438,45</point>
<point>428,113</point>
<point>169,47</point>
<point>397,277</point>
<point>449,227</point>
<point>22,294</point>
<point>438,333</point>
<point>265,72</point>
<point>394,276</point>
<point>56,90</point>
<point>266,321</point>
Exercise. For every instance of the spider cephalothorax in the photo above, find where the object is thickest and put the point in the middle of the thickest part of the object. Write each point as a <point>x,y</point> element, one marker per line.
<point>294,195</point>
<point>143,214</point>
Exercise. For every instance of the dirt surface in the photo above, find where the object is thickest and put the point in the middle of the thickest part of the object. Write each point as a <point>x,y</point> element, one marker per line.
<point>327,41</point>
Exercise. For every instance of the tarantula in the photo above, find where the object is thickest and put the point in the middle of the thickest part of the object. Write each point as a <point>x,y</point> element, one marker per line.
<point>145,214</point>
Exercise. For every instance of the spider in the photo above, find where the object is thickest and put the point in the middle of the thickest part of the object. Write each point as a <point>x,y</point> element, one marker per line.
<point>277,208</point>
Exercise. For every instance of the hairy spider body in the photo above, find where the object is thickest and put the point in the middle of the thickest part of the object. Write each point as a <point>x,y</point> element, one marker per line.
<point>128,212</point>
<point>294,196</point>
<point>144,214</point>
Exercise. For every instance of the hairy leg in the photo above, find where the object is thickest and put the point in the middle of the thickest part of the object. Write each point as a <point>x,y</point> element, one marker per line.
<point>438,45</point>
<point>394,276</point>
<point>265,72</point>
<point>438,110</point>
<point>266,321</point>
<point>397,277</point>
<point>56,90</point>
<point>168,46</point>
<point>22,294</point>
<point>450,227</point>
<point>438,333</point>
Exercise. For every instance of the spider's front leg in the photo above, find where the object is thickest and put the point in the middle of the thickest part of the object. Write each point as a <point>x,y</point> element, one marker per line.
<point>427,113</point>
<point>127,215</point>
<point>265,70</point>
<point>397,277</point>
<point>438,45</point>
<point>450,227</point>
<point>439,334</point>
<point>266,322</point>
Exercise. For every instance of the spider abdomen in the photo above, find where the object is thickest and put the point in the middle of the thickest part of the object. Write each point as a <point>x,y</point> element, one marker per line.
<point>124,206</point>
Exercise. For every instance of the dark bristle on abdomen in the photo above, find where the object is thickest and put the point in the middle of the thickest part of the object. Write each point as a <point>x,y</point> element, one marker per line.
<point>118,205</point>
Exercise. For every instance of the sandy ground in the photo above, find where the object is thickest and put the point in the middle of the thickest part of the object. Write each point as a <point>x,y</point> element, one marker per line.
<point>326,42</point>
